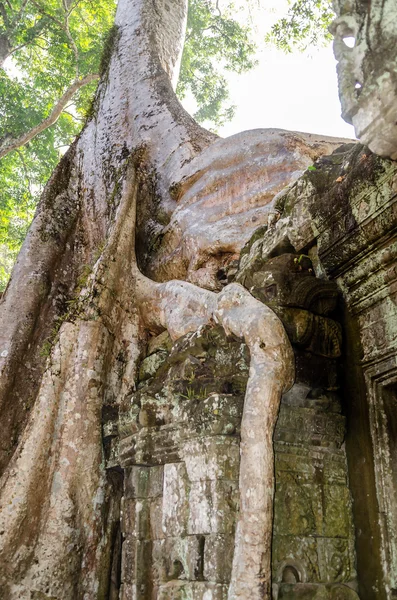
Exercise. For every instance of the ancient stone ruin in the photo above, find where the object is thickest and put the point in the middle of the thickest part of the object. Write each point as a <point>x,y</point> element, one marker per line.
<point>325,266</point>
<point>365,39</point>
<point>214,414</point>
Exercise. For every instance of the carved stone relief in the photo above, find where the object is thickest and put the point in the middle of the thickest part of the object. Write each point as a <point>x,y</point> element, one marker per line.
<point>343,214</point>
<point>381,378</point>
<point>179,448</point>
<point>365,41</point>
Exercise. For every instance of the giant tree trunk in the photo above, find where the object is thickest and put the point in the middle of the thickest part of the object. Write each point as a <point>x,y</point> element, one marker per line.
<point>77,311</point>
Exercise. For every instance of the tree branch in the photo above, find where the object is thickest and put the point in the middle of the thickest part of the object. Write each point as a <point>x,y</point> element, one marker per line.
<point>66,112</point>
<point>18,15</point>
<point>17,48</point>
<point>64,25</point>
<point>10,145</point>
<point>45,13</point>
<point>3,13</point>
<point>72,44</point>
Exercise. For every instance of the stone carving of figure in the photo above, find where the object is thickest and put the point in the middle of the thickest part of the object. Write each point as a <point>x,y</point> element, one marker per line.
<point>365,48</point>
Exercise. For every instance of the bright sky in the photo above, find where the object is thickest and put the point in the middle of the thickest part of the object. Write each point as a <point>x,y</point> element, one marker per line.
<point>295,91</point>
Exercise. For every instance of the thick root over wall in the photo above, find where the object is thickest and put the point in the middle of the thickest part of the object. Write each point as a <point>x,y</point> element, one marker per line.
<point>75,318</point>
<point>58,513</point>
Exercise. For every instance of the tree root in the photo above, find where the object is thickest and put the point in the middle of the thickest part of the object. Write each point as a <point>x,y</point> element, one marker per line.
<point>181,308</point>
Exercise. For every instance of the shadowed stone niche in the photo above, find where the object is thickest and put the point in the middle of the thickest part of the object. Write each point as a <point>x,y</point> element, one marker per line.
<point>365,47</point>
<point>343,214</point>
<point>313,537</point>
<point>178,440</point>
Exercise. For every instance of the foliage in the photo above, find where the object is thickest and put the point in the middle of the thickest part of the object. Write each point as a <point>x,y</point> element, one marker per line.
<point>55,42</point>
<point>52,43</point>
<point>215,43</point>
<point>306,24</point>
<point>21,175</point>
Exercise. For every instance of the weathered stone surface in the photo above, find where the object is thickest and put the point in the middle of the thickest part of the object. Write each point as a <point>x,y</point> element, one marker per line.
<point>150,365</point>
<point>213,506</point>
<point>288,284</point>
<point>175,500</point>
<point>310,425</point>
<point>342,215</point>
<point>307,591</point>
<point>288,280</point>
<point>159,342</point>
<point>192,591</point>
<point>218,557</point>
<point>367,71</point>
<point>192,526</point>
<point>183,429</point>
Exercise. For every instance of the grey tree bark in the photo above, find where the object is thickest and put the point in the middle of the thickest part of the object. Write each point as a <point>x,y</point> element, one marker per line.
<point>4,49</point>
<point>76,299</point>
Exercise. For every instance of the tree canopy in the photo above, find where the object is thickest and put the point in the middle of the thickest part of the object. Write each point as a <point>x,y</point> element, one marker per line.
<point>54,50</point>
<point>215,43</point>
<point>305,24</point>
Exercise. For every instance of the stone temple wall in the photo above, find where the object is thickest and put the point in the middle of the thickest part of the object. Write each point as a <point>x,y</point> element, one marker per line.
<point>343,214</point>
<point>179,448</point>
<point>178,444</point>
<point>325,265</point>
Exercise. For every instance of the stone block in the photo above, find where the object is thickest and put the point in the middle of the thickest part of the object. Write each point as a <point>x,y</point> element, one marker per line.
<point>310,591</point>
<point>310,426</point>
<point>296,550</point>
<point>179,590</point>
<point>127,515</point>
<point>159,562</point>
<point>135,518</point>
<point>337,512</point>
<point>143,482</point>
<point>342,592</point>
<point>128,560</point>
<point>188,553</point>
<point>210,413</point>
<point>156,480</point>
<point>335,468</point>
<point>136,561</point>
<point>175,500</point>
<point>178,559</point>
<point>292,462</point>
<point>212,457</point>
<point>136,482</point>
<point>160,342</point>
<point>127,454</point>
<point>175,590</point>
<point>336,561</point>
<point>218,558</point>
<point>127,592</point>
<point>156,446</point>
<point>213,506</point>
<point>303,591</point>
<point>156,518</point>
<point>151,364</point>
<point>298,507</point>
